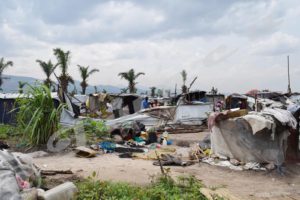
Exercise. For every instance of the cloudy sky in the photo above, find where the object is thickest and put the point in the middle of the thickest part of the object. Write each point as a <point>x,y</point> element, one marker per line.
<point>232,45</point>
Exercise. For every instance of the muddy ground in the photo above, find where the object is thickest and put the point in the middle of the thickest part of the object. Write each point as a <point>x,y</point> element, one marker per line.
<point>243,184</point>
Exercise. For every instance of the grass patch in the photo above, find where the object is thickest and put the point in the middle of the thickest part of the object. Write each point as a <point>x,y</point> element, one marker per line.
<point>161,188</point>
<point>8,131</point>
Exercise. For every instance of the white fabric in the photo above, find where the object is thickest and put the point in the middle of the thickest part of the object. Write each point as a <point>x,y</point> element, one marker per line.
<point>284,116</point>
<point>258,122</point>
<point>191,114</point>
<point>117,103</point>
<point>137,104</point>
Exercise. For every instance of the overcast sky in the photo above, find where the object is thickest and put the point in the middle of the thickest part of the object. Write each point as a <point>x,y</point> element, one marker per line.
<point>232,45</point>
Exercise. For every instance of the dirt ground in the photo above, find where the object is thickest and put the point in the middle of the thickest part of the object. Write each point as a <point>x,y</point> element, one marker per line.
<point>243,184</point>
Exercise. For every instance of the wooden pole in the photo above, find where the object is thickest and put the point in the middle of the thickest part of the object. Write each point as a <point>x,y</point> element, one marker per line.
<point>289,81</point>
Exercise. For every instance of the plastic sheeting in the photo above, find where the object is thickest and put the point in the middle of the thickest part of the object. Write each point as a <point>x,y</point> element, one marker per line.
<point>13,166</point>
<point>253,142</point>
<point>192,114</point>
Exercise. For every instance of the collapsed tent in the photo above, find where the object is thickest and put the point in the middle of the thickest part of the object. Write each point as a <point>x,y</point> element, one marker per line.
<point>148,117</point>
<point>183,114</point>
<point>254,137</point>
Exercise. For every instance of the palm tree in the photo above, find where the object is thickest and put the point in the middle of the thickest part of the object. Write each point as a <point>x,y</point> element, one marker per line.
<point>63,59</point>
<point>124,90</point>
<point>85,73</point>
<point>3,66</point>
<point>21,86</point>
<point>184,76</point>
<point>130,76</point>
<point>159,92</point>
<point>214,91</point>
<point>48,68</point>
<point>95,89</point>
<point>153,91</point>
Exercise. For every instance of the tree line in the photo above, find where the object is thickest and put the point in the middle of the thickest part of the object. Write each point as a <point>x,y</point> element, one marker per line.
<point>64,78</point>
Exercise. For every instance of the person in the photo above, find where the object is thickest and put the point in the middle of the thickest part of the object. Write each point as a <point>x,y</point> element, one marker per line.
<point>219,106</point>
<point>145,103</point>
<point>155,103</point>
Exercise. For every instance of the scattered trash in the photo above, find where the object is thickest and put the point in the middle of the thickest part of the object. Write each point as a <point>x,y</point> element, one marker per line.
<point>65,191</point>
<point>233,166</point>
<point>85,152</point>
<point>205,143</point>
<point>108,147</point>
<point>170,160</point>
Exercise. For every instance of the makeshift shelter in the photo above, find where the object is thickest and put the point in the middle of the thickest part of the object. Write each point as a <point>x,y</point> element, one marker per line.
<point>192,114</point>
<point>236,101</point>
<point>131,101</point>
<point>269,95</point>
<point>252,93</point>
<point>214,98</point>
<point>295,98</point>
<point>193,96</point>
<point>254,137</point>
<point>7,106</point>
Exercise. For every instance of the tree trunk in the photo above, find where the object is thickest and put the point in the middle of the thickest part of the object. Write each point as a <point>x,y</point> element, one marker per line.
<point>83,90</point>
<point>131,89</point>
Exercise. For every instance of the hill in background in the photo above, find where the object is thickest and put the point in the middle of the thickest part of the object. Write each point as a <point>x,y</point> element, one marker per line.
<point>11,85</point>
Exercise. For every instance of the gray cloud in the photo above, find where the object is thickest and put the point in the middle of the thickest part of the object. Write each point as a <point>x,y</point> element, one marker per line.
<point>104,21</point>
<point>234,38</point>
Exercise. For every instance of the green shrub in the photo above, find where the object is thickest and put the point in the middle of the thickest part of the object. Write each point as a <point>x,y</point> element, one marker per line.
<point>95,128</point>
<point>37,114</point>
<point>7,131</point>
<point>162,188</point>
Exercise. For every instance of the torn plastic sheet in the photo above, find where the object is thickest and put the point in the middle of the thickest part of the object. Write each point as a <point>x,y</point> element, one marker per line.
<point>285,117</point>
<point>227,163</point>
<point>235,138</point>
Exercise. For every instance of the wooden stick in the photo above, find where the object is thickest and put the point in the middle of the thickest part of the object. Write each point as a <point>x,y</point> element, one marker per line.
<point>54,172</point>
<point>161,167</point>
